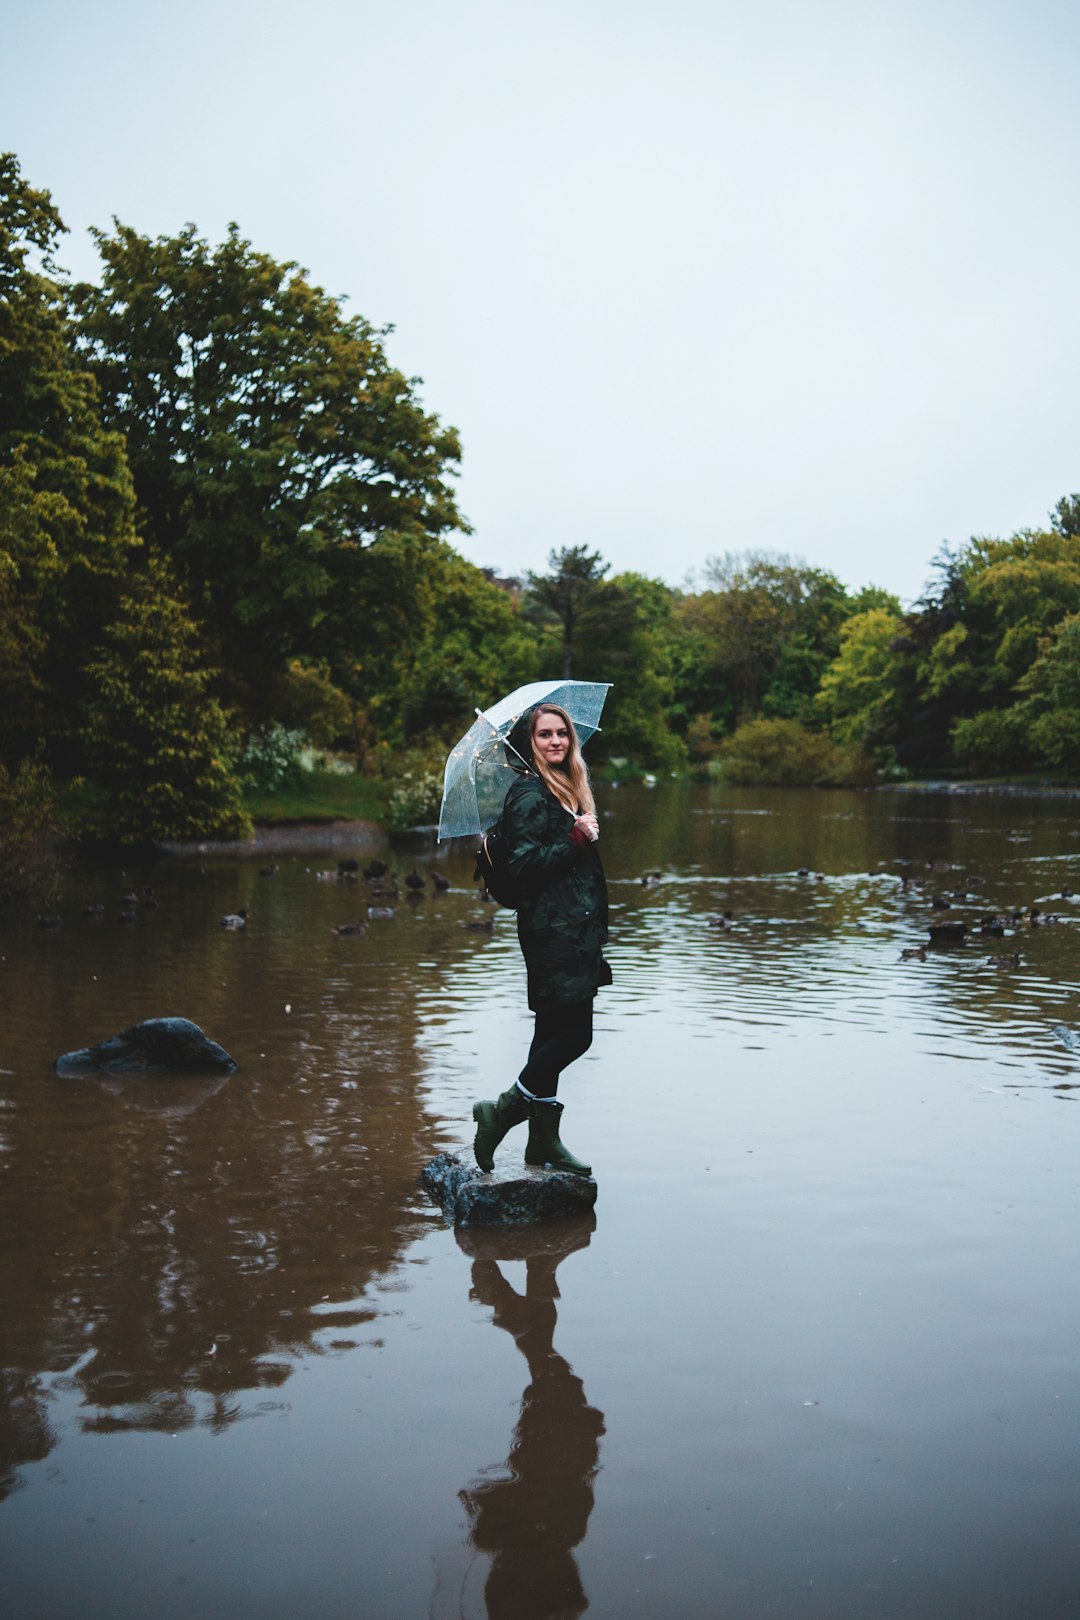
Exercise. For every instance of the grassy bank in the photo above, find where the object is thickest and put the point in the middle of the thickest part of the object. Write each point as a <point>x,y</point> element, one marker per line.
<point>321,796</point>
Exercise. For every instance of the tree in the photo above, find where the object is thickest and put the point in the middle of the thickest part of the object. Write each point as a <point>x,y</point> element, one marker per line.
<point>766,628</point>
<point>475,645</point>
<point>1051,698</point>
<point>158,742</point>
<point>572,599</point>
<point>1065,518</point>
<point>66,498</point>
<point>273,446</point>
<point>862,690</point>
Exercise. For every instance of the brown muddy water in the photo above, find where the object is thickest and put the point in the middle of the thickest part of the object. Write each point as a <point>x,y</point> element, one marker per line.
<point>817,1356</point>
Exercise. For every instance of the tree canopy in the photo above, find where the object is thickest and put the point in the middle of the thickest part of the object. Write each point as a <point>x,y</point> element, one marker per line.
<point>273,449</point>
<point>225,516</point>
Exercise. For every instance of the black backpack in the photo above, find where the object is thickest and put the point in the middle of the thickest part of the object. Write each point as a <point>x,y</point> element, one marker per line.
<point>493,868</point>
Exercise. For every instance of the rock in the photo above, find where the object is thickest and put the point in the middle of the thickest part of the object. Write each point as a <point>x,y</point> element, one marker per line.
<point>505,1197</point>
<point>156,1046</point>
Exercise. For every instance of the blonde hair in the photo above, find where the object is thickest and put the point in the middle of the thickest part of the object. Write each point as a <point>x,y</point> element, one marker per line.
<point>570,781</point>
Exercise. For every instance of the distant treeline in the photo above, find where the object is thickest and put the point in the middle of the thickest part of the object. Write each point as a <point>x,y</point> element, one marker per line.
<point>225,519</point>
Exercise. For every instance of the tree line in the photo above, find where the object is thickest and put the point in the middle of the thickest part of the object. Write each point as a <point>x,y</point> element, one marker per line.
<point>225,515</point>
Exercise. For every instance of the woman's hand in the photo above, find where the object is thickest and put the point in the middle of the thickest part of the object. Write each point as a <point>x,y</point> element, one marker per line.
<point>589,825</point>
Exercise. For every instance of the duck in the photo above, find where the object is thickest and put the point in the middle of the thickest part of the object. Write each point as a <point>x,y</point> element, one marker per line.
<point>913,953</point>
<point>351,928</point>
<point>441,881</point>
<point>128,915</point>
<point>49,919</point>
<point>415,881</point>
<point>348,866</point>
<point>650,880</point>
<point>149,898</point>
<point>947,930</point>
<point>380,912</point>
<point>96,909</point>
<point>1005,961</point>
<point>235,919</point>
<point>724,920</point>
<point>483,925</point>
<point>375,869</point>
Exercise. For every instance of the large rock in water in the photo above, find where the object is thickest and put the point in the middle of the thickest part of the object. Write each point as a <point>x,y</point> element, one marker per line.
<point>156,1046</point>
<point>504,1197</point>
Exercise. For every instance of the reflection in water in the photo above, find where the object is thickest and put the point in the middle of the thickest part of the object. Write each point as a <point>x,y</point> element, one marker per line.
<point>236,1305</point>
<point>530,1516</point>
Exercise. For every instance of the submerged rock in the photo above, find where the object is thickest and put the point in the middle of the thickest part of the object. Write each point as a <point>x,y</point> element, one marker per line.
<point>156,1046</point>
<point>505,1197</point>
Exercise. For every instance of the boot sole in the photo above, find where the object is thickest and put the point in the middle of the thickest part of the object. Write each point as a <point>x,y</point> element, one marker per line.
<point>584,1170</point>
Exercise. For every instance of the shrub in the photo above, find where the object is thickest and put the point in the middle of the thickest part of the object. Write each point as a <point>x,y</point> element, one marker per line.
<point>782,753</point>
<point>271,758</point>
<point>158,743</point>
<point>995,740</point>
<point>1056,737</point>
<point>29,850</point>
<point>416,800</point>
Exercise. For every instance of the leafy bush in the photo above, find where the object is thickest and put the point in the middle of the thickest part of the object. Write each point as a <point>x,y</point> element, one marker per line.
<point>157,742</point>
<point>415,801</point>
<point>782,753</point>
<point>995,740</point>
<point>29,861</point>
<point>1056,737</point>
<point>271,758</point>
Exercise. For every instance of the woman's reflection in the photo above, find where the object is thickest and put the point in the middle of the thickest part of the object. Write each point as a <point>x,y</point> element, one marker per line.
<point>529,1522</point>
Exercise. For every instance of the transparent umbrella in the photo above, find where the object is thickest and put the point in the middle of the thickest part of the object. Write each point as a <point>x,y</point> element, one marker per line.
<point>478,771</point>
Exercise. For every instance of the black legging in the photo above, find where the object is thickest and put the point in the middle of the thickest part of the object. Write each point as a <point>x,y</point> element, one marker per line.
<point>562,1034</point>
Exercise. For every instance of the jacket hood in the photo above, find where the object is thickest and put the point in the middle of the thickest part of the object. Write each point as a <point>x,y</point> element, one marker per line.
<point>518,747</point>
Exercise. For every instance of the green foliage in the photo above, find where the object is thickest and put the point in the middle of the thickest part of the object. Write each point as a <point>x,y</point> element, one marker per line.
<point>320,795</point>
<point>994,741</point>
<point>66,499</point>
<point>310,702</point>
<point>270,759</point>
<point>633,650</point>
<point>157,740</point>
<point>1065,518</point>
<point>861,691</point>
<point>761,636</point>
<point>571,603</point>
<point>470,643</point>
<point>782,753</point>
<point>275,451</point>
<point>415,801</point>
<point>1052,688</point>
<point>29,861</point>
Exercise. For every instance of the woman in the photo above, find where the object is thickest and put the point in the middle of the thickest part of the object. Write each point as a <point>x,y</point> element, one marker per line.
<point>549,822</point>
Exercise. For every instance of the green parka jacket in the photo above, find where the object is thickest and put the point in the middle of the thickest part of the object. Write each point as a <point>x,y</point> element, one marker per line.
<point>562,921</point>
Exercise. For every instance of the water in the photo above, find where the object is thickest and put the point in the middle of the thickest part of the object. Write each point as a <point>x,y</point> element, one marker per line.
<point>816,1356</point>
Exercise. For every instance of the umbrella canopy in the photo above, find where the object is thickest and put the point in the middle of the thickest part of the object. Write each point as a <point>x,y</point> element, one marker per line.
<point>479,771</point>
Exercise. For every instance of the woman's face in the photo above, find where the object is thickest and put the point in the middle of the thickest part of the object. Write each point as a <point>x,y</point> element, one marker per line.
<point>551,739</point>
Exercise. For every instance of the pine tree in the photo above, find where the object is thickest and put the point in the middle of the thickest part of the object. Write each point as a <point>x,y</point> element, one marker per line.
<point>157,740</point>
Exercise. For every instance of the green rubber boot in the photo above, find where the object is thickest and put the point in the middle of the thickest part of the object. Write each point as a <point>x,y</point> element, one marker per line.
<point>493,1120</point>
<point>544,1146</point>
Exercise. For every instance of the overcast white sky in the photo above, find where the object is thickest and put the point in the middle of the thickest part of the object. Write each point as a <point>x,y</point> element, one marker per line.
<point>688,277</point>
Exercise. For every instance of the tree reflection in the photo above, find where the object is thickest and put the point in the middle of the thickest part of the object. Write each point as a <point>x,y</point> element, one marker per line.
<point>529,1519</point>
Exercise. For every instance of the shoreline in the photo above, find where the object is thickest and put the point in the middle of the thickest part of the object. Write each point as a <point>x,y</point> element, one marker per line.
<point>285,838</point>
<point>1015,790</point>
